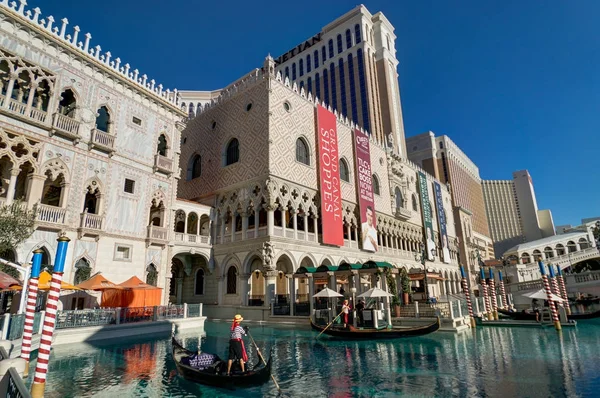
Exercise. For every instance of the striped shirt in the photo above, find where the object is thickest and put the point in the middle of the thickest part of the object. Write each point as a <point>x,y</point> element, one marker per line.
<point>237,333</point>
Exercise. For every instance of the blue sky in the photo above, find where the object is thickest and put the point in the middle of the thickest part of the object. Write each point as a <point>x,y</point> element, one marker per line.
<point>515,84</point>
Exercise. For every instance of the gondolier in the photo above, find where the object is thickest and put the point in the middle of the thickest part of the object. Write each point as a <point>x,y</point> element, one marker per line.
<point>237,351</point>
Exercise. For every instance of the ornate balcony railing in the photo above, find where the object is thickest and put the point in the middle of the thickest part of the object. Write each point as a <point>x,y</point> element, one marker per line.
<point>38,115</point>
<point>163,163</point>
<point>402,213</point>
<point>51,214</point>
<point>157,233</point>
<point>17,107</point>
<point>102,140</point>
<point>91,221</point>
<point>65,126</point>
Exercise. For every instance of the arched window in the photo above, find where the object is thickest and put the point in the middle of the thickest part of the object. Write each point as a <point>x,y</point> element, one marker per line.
<point>308,64</point>
<point>162,145</point>
<point>376,189</point>
<point>325,87</point>
<point>343,86</point>
<point>399,199</point>
<point>316,55</point>
<point>414,203</point>
<point>67,104</point>
<point>302,154</point>
<point>348,39</point>
<point>294,71</point>
<point>340,46</point>
<point>353,101</point>
<point>52,193</point>
<point>301,67</point>
<point>232,155</point>
<point>198,108</point>
<point>199,283</point>
<point>317,86</point>
<point>525,259</point>
<point>183,106</point>
<point>191,110</point>
<point>344,171</point>
<point>194,167</point>
<point>287,71</point>
<point>330,45</point>
<point>357,33</point>
<point>151,275</point>
<point>323,54</point>
<point>92,199</point>
<point>232,280</point>
<point>103,119</point>
<point>83,271</point>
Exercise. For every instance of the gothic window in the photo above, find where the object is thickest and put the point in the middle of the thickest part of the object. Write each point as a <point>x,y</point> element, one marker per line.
<point>92,200</point>
<point>340,47</point>
<point>199,283</point>
<point>53,190</point>
<point>191,113</point>
<point>302,154</point>
<point>161,148</point>
<point>348,39</point>
<point>67,104</point>
<point>151,275</point>
<point>343,86</point>
<point>357,33</point>
<point>194,167</point>
<point>376,189</point>
<point>344,171</point>
<point>103,119</point>
<point>414,203</point>
<point>232,155</point>
<point>399,200</point>
<point>231,280</point>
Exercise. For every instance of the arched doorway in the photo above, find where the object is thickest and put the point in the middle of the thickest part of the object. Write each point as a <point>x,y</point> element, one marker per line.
<point>176,283</point>
<point>256,280</point>
<point>283,285</point>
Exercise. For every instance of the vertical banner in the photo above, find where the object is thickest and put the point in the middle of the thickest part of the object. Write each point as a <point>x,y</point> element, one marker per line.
<point>364,183</point>
<point>427,224</point>
<point>439,202</point>
<point>329,177</point>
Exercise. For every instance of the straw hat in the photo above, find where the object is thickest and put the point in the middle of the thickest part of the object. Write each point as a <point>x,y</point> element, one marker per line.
<point>238,318</point>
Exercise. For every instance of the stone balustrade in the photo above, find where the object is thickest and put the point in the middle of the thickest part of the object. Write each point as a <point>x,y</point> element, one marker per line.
<point>102,140</point>
<point>51,214</point>
<point>163,163</point>
<point>65,126</point>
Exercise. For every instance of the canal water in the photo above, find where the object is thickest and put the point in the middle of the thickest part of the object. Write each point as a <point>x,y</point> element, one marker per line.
<point>487,362</point>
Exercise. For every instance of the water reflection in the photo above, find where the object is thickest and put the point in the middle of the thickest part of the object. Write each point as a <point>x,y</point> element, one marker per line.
<point>490,362</point>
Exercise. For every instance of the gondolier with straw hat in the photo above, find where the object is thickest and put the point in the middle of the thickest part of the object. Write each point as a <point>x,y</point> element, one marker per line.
<point>237,351</point>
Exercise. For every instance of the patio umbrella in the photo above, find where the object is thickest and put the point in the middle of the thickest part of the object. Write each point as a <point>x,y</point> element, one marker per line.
<point>44,283</point>
<point>328,293</point>
<point>97,282</point>
<point>375,292</point>
<point>541,294</point>
<point>7,281</point>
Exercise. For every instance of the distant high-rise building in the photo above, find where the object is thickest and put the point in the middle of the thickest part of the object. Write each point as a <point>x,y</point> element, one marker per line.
<point>513,214</point>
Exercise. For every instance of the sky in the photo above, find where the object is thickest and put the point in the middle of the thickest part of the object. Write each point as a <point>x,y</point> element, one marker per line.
<point>515,84</point>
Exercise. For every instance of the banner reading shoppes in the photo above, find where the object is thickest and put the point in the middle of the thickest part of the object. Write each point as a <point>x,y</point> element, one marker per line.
<point>329,176</point>
<point>439,202</point>
<point>427,224</point>
<point>364,183</point>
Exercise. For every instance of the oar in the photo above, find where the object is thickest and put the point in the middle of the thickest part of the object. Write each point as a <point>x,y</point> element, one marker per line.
<point>330,323</point>
<point>263,361</point>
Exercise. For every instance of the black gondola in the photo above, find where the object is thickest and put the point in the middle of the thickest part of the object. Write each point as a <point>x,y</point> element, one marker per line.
<point>216,376</point>
<point>528,316</point>
<point>352,333</point>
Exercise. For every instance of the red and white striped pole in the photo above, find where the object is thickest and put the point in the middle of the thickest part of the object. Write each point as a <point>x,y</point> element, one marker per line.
<point>554,284</point>
<point>30,309</point>
<point>563,288</point>
<point>493,295</point>
<point>41,369</point>
<point>467,295</point>
<point>503,298</point>
<point>549,295</point>
<point>486,299</point>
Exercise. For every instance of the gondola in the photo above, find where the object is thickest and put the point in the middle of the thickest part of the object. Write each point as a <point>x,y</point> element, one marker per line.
<point>526,316</point>
<point>352,333</point>
<point>216,376</point>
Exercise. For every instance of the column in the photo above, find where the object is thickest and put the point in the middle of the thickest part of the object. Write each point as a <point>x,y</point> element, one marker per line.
<point>220,280</point>
<point>245,288</point>
<point>332,282</point>
<point>311,292</point>
<point>35,186</point>
<point>256,221</point>
<point>292,294</point>
<point>295,219</point>
<point>10,194</point>
<point>283,222</point>
<point>244,225</point>
<point>32,90</point>
<point>222,234</point>
<point>270,283</point>
<point>316,228</point>
<point>9,89</point>
<point>305,225</point>
<point>167,290</point>
<point>270,220</point>
<point>179,282</point>
<point>349,232</point>
<point>233,219</point>
<point>64,195</point>
<point>197,225</point>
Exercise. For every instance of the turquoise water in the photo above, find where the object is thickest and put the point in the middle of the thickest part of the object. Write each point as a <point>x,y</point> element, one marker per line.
<point>489,362</point>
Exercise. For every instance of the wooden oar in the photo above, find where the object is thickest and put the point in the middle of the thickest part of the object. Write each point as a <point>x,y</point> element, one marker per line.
<point>330,323</point>
<point>263,361</point>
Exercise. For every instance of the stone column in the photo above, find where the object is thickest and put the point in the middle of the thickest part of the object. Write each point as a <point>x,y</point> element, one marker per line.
<point>244,225</point>
<point>9,89</point>
<point>33,86</point>
<point>179,282</point>
<point>292,294</point>
<point>316,228</point>
<point>349,232</point>
<point>233,222</point>
<point>270,220</point>
<point>245,288</point>
<point>222,234</point>
<point>12,185</point>
<point>64,195</point>
<point>185,220</point>
<point>294,213</point>
<point>270,285</point>
<point>167,289</point>
<point>283,221</point>
<point>311,293</point>
<point>305,215</point>
<point>256,221</point>
<point>35,186</point>
<point>332,281</point>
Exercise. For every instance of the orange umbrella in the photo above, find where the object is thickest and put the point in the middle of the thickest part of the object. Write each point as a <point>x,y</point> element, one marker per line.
<point>44,283</point>
<point>136,283</point>
<point>97,282</point>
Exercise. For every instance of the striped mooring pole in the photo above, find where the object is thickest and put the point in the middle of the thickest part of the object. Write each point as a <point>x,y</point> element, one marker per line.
<point>503,298</point>
<point>493,294</point>
<point>549,295</point>
<point>486,299</point>
<point>465,287</point>
<point>555,288</point>
<point>30,309</point>
<point>41,369</point>
<point>563,288</point>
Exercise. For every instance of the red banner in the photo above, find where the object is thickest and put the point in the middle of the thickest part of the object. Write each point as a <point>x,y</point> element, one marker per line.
<point>329,176</point>
<point>364,182</point>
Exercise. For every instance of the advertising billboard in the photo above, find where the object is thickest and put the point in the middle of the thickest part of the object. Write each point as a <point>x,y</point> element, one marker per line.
<point>329,178</point>
<point>427,223</point>
<point>364,183</point>
<point>439,203</point>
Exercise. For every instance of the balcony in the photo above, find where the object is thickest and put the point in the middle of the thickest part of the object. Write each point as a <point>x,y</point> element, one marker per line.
<point>403,214</point>
<point>191,238</point>
<point>157,235</point>
<point>19,109</point>
<point>90,225</point>
<point>163,164</point>
<point>51,215</point>
<point>65,127</point>
<point>102,141</point>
